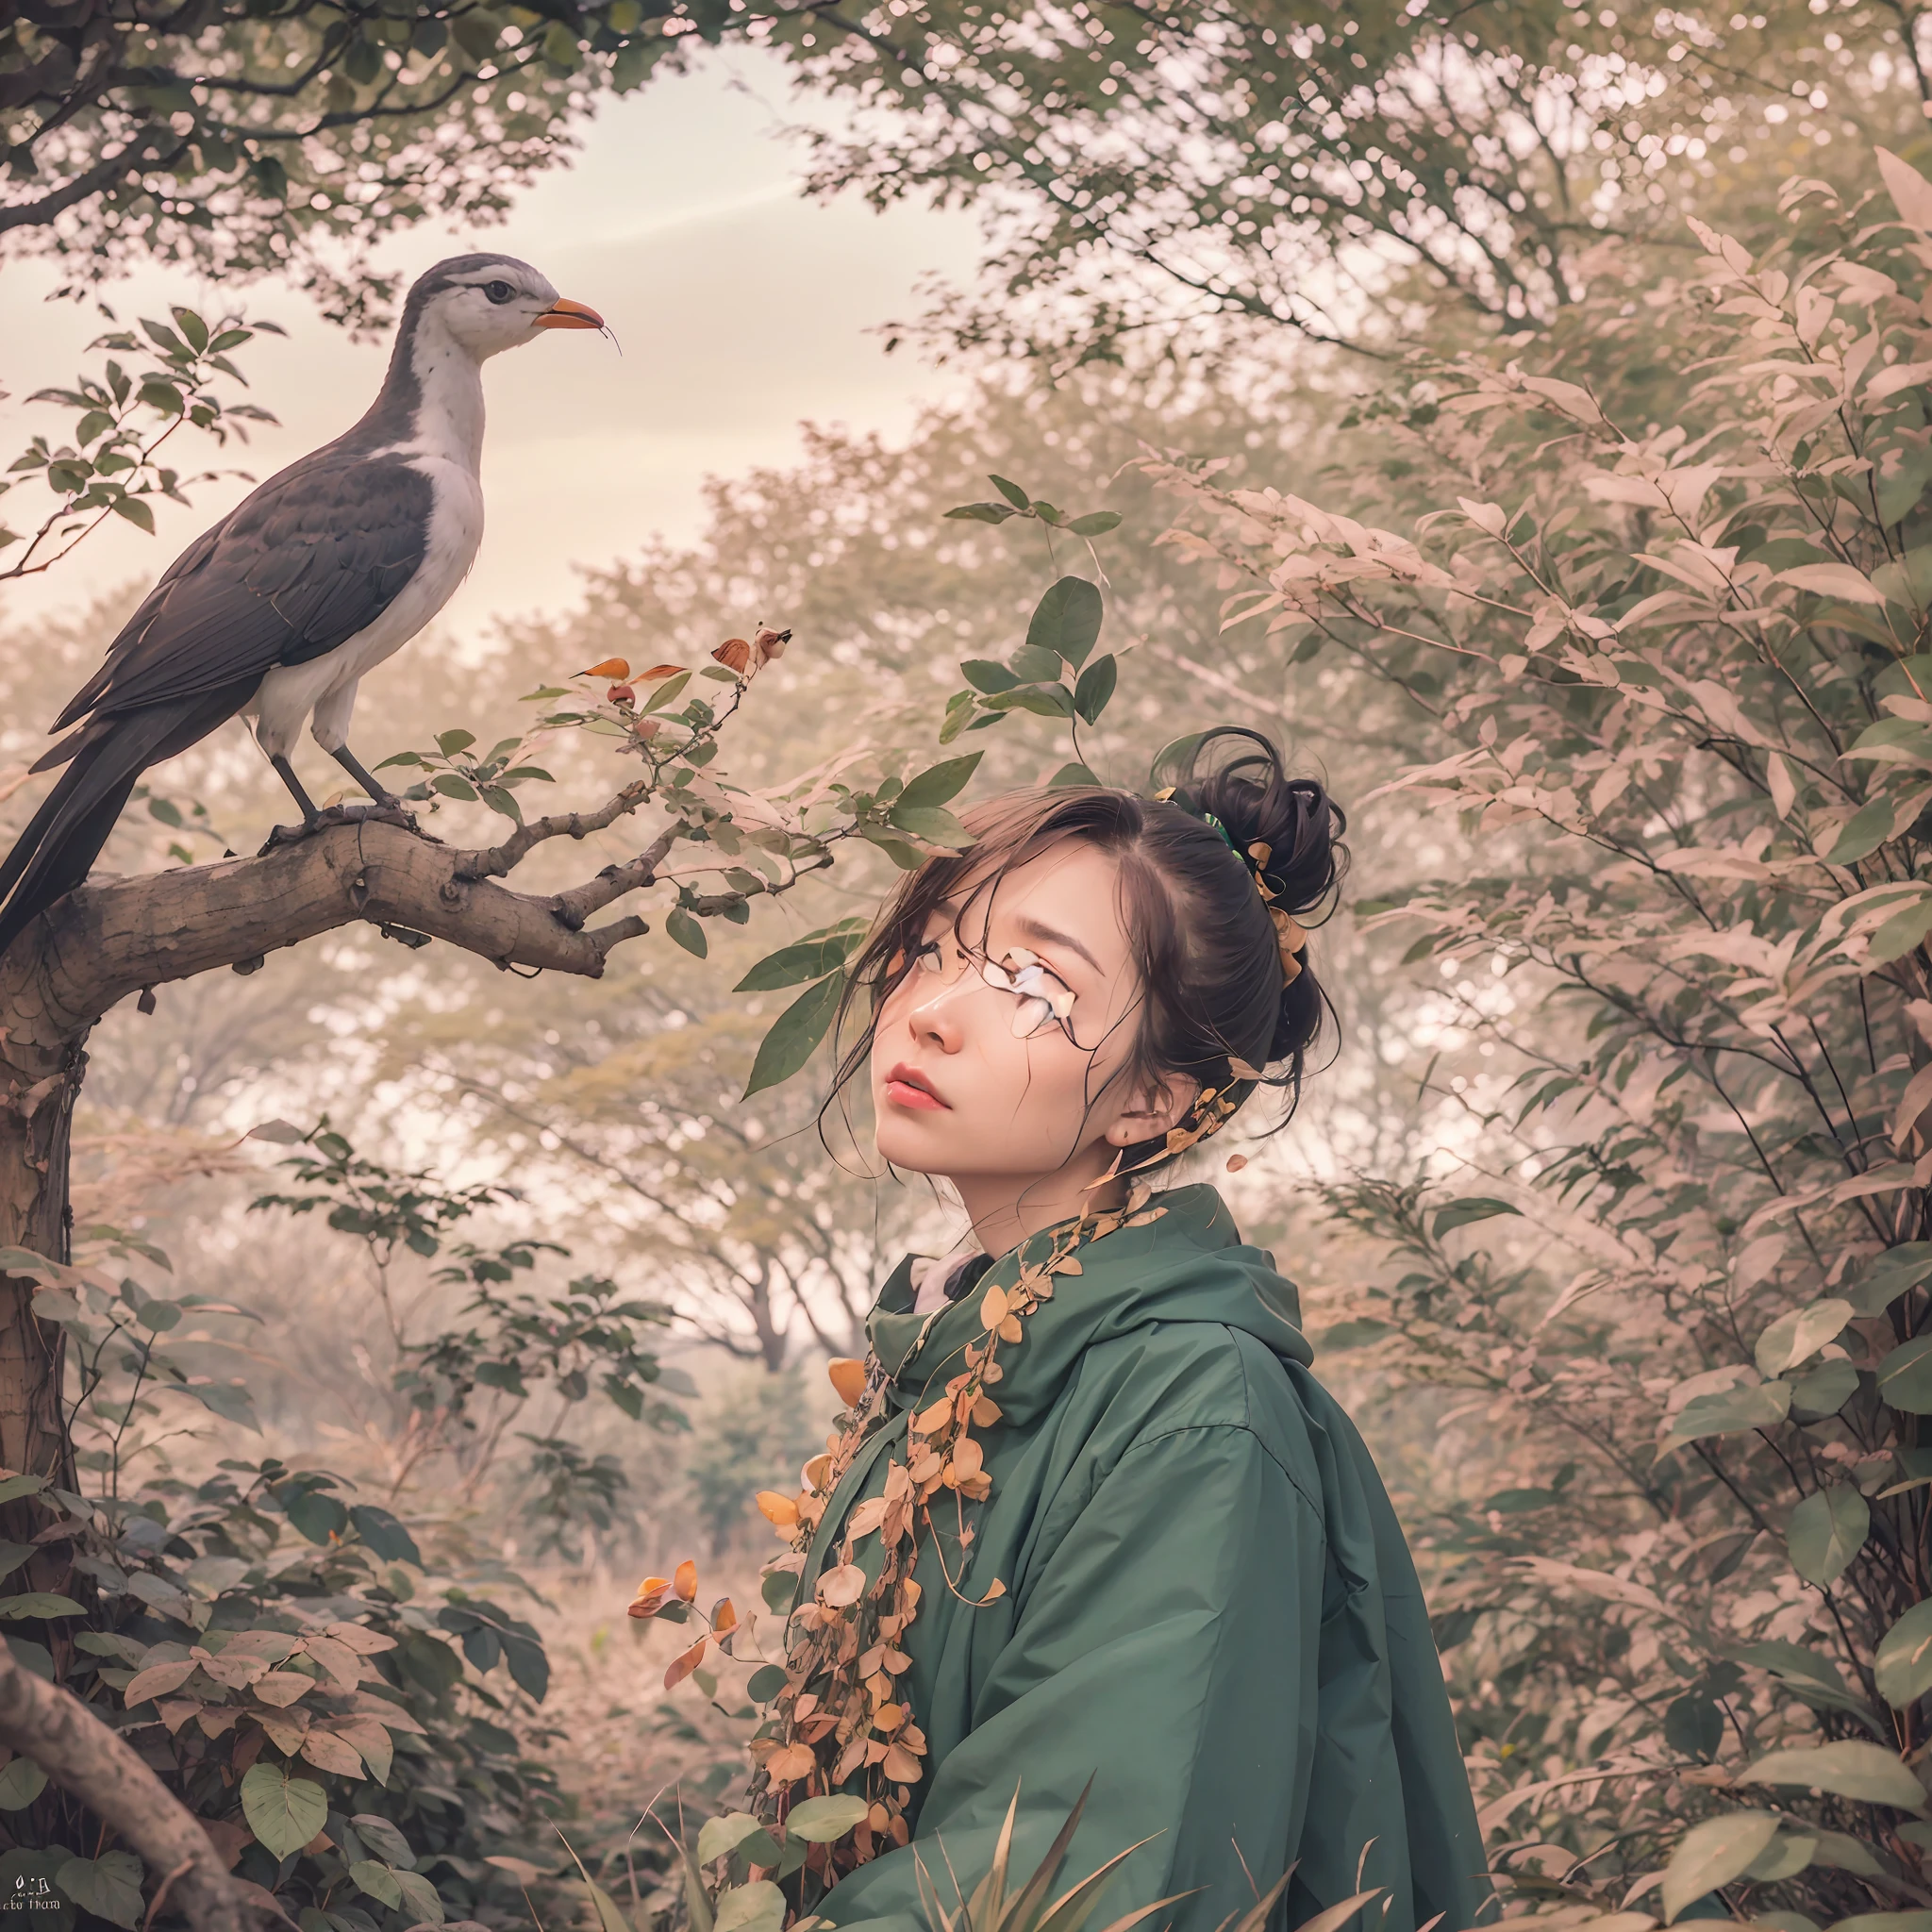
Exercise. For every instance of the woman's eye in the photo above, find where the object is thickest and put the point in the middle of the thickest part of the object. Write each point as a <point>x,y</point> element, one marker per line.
<point>927,956</point>
<point>498,292</point>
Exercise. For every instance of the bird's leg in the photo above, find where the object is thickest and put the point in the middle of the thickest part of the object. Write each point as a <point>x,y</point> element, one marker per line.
<point>353,765</point>
<point>286,773</point>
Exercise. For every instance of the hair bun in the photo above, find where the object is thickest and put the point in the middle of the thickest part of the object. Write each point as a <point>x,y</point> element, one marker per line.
<point>1288,829</point>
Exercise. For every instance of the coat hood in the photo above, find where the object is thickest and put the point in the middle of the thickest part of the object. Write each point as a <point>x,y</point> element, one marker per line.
<point>1188,1265</point>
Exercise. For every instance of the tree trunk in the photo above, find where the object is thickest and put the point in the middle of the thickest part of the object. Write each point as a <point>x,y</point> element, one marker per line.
<point>41,1068</point>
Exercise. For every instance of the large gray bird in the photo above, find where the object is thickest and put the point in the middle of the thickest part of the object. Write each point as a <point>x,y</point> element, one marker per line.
<point>330,567</point>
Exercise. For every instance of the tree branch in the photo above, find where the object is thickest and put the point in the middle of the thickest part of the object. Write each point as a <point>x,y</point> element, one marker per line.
<point>84,1758</point>
<point>115,936</point>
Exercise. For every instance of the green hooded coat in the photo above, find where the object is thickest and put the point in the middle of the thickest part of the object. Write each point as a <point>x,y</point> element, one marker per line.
<point>1209,1610</point>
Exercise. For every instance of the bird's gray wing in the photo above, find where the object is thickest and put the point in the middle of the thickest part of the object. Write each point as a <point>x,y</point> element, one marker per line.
<point>304,563</point>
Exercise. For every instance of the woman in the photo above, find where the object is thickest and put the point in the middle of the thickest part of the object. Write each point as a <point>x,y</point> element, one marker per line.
<point>1090,1517</point>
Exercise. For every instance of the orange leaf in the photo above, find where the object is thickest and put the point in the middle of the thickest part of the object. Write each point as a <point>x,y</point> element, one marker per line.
<point>724,1618</point>
<point>814,1472</point>
<point>783,1510</point>
<point>685,1663</point>
<point>612,667</point>
<point>841,1586</point>
<point>684,1580</point>
<point>901,1765</point>
<point>994,1591</point>
<point>789,1763</point>
<point>848,1379</point>
<point>932,1421</point>
<point>1235,1162</point>
<point>986,1411</point>
<point>734,654</point>
<point>867,1517</point>
<point>967,1457</point>
<point>1010,1329</point>
<point>657,671</point>
<point>888,1718</point>
<point>993,1307</point>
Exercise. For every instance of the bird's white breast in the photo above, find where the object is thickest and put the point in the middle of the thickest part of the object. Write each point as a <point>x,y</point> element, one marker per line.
<point>446,447</point>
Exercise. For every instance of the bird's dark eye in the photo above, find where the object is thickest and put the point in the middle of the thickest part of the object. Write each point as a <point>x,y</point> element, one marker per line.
<point>498,292</point>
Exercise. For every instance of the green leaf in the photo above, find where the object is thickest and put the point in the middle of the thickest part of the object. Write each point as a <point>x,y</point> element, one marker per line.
<point>1713,1853</point>
<point>1071,774</point>
<point>1461,1213</point>
<point>665,693</point>
<point>687,932</point>
<point>723,1835</point>
<point>109,1887</point>
<point>1825,1531</point>
<point>1032,664</point>
<point>1893,1274</point>
<point>1824,1391</point>
<point>1067,619</point>
<point>384,1535</point>
<point>816,954</point>
<point>384,1838</point>
<point>778,1590</point>
<point>1011,491</point>
<point>940,782</point>
<point>1849,1768</point>
<point>13,1486</point>
<point>1868,829</point>
<point>283,1812</point>
<point>769,1679</point>
<point>136,511</point>
<point>1797,1337</point>
<point>1097,523</point>
<point>932,823</point>
<point>795,1034</point>
<point>822,1821</point>
<point>378,1881</point>
<point>425,1902</point>
<point>1096,686</point>
<point>1903,931</point>
<point>21,1782</point>
<point>39,1603</point>
<point>318,1516</point>
<point>1727,1410</point>
<point>452,786</point>
<point>1902,1666</point>
<point>980,513</point>
<point>758,1907</point>
<point>1904,1377</point>
<point>1042,700</point>
<point>983,674</point>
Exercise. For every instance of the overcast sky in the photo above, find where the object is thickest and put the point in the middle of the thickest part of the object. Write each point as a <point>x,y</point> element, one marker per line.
<point>741,309</point>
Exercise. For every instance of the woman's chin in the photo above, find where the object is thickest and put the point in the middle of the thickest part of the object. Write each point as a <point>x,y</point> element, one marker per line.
<point>911,1146</point>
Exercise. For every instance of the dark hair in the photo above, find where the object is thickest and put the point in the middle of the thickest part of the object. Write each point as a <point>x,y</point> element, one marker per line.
<point>1202,936</point>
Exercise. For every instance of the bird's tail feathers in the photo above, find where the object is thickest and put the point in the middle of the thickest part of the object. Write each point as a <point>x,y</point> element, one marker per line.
<point>64,837</point>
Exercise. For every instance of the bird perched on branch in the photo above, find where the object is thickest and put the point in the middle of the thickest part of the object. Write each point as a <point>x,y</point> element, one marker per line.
<point>328,568</point>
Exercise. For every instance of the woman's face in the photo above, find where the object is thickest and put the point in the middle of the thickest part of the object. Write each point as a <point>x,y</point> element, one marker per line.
<point>1002,1086</point>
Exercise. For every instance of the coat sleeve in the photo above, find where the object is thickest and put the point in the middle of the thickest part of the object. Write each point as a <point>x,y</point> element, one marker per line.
<point>1167,1650</point>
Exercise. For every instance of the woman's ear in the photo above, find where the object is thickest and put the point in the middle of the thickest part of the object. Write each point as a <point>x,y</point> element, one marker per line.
<point>1153,1111</point>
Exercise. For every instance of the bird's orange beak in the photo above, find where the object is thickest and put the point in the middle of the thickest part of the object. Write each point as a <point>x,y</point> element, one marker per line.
<point>567,315</point>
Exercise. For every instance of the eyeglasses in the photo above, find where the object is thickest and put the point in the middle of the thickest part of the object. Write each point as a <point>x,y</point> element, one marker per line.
<point>1042,999</point>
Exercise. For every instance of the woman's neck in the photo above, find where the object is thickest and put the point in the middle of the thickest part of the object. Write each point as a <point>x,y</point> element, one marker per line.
<point>1005,1209</point>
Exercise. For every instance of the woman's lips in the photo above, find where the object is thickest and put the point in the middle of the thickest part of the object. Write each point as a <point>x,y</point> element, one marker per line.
<point>907,1087</point>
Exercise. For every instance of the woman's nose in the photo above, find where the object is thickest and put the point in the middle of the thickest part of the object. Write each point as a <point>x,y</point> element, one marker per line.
<point>936,1018</point>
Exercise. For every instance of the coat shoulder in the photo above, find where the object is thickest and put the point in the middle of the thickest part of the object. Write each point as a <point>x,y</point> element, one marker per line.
<point>1202,1374</point>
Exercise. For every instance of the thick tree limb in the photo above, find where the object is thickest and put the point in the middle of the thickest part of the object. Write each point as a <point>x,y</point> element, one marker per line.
<point>84,1758</point>
<point>115,936</point>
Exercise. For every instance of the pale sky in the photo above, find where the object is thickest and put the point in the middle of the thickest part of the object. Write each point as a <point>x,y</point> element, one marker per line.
<point>741,309</point>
